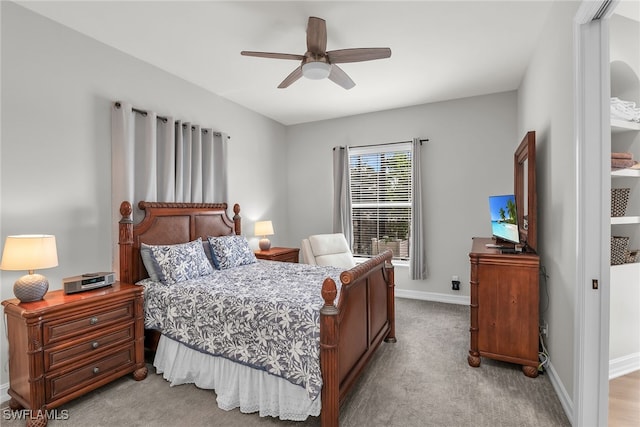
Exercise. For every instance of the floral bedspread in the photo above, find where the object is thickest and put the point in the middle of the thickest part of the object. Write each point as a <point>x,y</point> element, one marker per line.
<point>265,315</point>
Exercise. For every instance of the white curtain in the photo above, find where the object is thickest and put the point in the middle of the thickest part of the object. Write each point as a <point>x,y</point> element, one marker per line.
<point>160,159</point>
<point>342,194</point>
<point>417,252</point>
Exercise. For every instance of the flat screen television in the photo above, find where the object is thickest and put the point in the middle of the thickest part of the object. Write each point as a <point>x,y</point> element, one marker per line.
<point>504,218</point>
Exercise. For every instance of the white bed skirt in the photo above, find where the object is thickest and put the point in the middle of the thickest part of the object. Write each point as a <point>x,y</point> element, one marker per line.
<point>236,385</point>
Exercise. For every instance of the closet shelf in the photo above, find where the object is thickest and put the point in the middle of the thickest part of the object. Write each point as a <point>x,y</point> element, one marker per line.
<point>623,126</point>
<point>625,220</point>
<point>630,272</point>
<point>633,173</point>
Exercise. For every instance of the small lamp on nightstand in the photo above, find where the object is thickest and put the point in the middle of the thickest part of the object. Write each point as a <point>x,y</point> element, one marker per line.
<point>264,229</point>
<point>30,252</point>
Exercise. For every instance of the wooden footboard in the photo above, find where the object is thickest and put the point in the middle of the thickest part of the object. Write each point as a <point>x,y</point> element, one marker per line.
<point>353,328</point>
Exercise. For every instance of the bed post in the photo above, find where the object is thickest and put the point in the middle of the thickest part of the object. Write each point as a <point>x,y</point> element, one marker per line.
<point>391,302</point>
<point>329,356</point>
<point>125,241</point>
<point>237,221</point>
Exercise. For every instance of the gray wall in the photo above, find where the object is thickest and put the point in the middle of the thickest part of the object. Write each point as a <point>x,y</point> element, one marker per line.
<point>545,104</point>
<point>469,156</point>
<point>57,88</point>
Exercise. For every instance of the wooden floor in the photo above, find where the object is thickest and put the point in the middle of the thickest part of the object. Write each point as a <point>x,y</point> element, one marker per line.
<point>624,400</point>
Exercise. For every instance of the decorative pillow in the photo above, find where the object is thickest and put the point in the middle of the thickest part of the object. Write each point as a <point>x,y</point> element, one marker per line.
<point>231,251</point>
<point>176,263</point>
<point>148,261</point>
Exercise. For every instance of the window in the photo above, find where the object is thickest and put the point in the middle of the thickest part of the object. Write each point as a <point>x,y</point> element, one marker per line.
<point>380,184</point>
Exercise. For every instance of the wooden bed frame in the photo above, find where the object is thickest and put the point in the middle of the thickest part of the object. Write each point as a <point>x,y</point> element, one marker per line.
<point>350,330</point>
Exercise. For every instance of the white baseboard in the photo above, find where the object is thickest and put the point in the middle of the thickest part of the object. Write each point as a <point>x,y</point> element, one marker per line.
<point>4,393</point>
<point>624,365</point>
<point>432,296</point>
<point>565,400</point>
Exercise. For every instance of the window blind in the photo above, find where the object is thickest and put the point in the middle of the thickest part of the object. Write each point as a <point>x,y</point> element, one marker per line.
<point>380,183</point>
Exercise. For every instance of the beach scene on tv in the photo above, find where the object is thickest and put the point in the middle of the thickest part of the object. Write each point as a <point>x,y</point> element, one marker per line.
<point>504,223</point>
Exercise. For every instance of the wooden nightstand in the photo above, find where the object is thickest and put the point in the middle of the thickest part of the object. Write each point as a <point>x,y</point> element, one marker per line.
<point>279,254</point>
<point>66,345</point>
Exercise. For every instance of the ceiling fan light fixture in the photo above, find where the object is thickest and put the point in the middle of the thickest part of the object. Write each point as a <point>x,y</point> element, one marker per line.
<point>316,70</point>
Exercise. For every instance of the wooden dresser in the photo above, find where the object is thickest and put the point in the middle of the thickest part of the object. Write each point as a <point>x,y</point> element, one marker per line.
<point>279,254</point>
<point>66,345</point>
<point>504,306</point>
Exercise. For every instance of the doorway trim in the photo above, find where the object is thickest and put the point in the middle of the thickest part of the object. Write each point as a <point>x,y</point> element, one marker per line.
<point>593,145</point>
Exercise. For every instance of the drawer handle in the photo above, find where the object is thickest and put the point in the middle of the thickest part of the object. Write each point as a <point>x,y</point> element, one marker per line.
<point>93,320</point>
<point>96,370</point>
<point>94,344</point>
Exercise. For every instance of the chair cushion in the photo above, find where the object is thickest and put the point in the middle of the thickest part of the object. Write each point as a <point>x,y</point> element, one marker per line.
<point>331,249</point>
<point>344,260</point>
<point>325,244</point>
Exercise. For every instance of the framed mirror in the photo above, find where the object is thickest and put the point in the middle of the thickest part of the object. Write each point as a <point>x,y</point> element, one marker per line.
<point>525,191</point>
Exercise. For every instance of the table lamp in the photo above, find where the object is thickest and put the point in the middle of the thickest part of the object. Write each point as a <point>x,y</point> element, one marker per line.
<point>30,252</point>
<point>264,229</point>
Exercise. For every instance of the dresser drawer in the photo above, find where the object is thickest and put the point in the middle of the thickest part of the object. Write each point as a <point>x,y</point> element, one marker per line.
<point>63,354</point>
<point>85,322</point>
<point>120,359</point>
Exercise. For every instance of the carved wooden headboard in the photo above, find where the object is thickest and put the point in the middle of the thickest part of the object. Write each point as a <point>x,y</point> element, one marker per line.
<point>167,224</point>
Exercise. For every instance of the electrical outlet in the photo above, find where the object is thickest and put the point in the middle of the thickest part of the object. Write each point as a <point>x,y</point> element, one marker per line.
<point>455,283</point>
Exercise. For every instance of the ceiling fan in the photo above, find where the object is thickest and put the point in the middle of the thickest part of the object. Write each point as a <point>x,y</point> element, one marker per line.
<point>317,63</point>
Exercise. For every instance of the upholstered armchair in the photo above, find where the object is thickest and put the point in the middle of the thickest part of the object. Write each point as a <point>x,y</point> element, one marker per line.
<point>327,249</point>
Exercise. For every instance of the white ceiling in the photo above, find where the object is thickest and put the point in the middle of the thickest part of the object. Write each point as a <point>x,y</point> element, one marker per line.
<point>440,49</point>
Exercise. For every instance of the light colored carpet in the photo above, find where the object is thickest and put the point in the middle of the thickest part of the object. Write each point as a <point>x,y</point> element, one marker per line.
<point>422,380</point>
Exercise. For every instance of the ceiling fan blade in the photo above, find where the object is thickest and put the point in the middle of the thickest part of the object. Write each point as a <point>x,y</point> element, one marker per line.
<point>272,55</point>
<point>338,76</point>
<point>316,35</point>
<point>356,55</point>
<point>295,75</point>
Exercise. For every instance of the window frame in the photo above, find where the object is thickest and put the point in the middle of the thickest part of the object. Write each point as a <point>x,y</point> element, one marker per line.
<point>401,244</point>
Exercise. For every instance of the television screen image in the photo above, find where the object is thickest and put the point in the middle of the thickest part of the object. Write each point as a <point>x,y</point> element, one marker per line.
<point>504,220</point>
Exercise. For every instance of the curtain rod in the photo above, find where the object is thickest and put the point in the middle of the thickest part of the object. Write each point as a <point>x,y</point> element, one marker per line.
<point>385,143</point>
<point>164,119</point>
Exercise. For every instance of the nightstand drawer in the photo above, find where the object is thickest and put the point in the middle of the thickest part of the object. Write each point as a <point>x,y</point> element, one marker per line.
<point>121,359</point>
<point>290,257</point>
<point>64,354</point>
<point>279,254</point>
<point>85,322</point>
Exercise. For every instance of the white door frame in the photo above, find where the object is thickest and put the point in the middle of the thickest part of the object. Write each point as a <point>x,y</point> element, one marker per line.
<point>593,147</point>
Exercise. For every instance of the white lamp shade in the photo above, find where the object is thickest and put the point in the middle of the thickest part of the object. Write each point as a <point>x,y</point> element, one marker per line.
<point>263,228</point>
<point>29,252</point>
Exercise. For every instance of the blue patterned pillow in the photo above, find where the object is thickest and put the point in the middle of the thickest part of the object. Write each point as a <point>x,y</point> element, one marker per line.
<point>231,251</point>
<point>176,263</point>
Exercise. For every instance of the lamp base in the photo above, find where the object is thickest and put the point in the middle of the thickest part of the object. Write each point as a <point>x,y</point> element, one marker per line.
<point>265,244</point>
<point>31,287</point>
